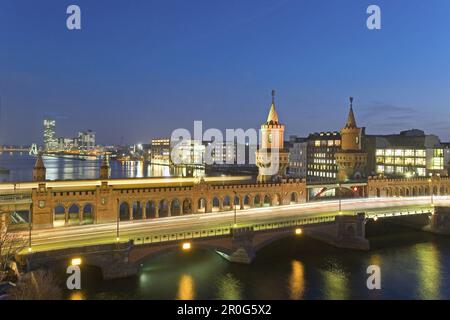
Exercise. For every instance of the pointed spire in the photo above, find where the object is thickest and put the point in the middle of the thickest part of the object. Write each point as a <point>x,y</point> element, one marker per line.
<point>39,162</point>
<point>273,116</point>
<point>39,170</point>
<point>351,122</point>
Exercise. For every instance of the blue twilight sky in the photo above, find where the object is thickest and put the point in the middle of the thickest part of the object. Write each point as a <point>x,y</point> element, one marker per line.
<point>140,68</point>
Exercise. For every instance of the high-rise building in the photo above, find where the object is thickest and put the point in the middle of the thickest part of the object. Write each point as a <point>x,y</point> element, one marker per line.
<point>271,158</point>
<point>85,140</point>
<point>50,140</point>
<point>321,155</point>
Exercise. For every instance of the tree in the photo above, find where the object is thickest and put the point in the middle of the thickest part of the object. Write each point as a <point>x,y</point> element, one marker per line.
<point>11,243</point>
<point>36,285</point>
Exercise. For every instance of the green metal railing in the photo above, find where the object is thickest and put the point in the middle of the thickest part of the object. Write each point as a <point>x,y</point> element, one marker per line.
<point>214,232</point>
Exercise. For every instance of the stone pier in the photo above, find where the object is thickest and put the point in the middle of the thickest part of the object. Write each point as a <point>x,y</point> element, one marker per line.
<point>345,232</point>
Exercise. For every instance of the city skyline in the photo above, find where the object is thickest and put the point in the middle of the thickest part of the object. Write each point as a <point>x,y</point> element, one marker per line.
<point>164,74</point>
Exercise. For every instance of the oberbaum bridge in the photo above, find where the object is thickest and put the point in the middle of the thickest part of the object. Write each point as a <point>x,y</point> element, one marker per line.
<point>116,224</point>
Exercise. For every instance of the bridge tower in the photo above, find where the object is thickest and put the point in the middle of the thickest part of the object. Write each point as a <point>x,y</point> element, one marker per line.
<point>104,168</point>
<point>271,158</point>
<point>351,160</point>
<point>39,169</point>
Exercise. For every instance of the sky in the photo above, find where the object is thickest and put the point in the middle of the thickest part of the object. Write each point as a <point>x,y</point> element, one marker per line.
<point>139,69</point>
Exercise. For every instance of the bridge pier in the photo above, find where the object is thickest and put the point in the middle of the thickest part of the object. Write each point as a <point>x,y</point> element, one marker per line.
<point>440,221</point>
<point>346,232</point>
<point>242,249</point>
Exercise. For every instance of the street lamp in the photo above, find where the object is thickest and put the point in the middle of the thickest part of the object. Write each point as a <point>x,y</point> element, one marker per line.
<point>235,213</point>
<point>118,222</point>
<point>340,198</point>
<point>431,191</point>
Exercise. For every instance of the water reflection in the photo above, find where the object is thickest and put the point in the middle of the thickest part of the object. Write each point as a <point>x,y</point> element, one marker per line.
<point>296,281</point>
<point>229,288</point>
<point>429,271</point>
<point>21,166</point>
<point>335,282</point>
<point>77,295</point>
<point>186,290</point>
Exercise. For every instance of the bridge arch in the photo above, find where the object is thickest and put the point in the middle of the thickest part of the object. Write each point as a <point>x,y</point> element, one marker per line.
<point>137,210</point>
<point>237,202</point>
<point>175,208</point>
<point>257,200</point>
<point>216,204</point>
<point>247,201</point>
<point>163,208</point>
<point>201,205</point>
<point>74,214</point>
<point>88,213</point>
<point>59,215</point>
<point>187,206</point>
<point>293,199</point>
<point>226,204</point>
<point>267,201</point>
<point>150,210</point>
<point>124,211</point>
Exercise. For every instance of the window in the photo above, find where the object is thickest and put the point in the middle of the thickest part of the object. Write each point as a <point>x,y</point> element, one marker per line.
<point>270,138</point>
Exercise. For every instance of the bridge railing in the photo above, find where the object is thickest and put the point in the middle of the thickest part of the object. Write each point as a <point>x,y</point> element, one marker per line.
<point>214,232</point>
<point>15,197</point>
<point>174,236</point>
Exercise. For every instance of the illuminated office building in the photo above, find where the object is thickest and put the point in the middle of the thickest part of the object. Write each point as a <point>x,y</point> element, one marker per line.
<point>321,151</point>
<point>411,153</point>
<point>50,140</point>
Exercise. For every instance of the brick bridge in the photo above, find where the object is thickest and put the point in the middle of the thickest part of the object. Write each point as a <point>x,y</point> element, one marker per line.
<point>238,245</point>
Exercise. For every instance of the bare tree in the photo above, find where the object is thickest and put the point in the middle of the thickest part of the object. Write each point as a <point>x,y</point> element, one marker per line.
<point>36,285</point>
<point>11,243</point>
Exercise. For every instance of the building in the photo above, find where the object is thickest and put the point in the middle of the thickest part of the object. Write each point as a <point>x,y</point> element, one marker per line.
<point>321,160</point>
<point>160,150</point>
<point>272,158</point>
<point>50,140</point>
<point>85,140</point>
<point>187,151</point>
<point>221,153</point>
<point>298,160</point>
<point>409,154</point>
<point>351,159</point>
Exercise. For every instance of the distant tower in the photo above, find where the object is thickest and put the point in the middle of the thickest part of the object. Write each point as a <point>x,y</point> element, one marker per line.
<point>104,168</point>
<point>271,158</point>
<point>351,160</point>
<point>39,169</point>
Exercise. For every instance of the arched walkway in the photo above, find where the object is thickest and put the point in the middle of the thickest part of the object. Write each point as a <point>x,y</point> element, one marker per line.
<point>175,209</point>
<point>150,210</point>
<point>163,209</point>
<point>88,214</point>
<point>74,214</point>
<point>124,211</point>
<point>201,206</point>
<point>59,216</point>
<point>137,211</point>
<point>187,206</point>
<point>216,204</point>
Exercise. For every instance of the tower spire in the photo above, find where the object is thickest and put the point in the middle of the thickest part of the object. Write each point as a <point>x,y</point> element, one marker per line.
<point>273,116</point>
<point>351,122</point>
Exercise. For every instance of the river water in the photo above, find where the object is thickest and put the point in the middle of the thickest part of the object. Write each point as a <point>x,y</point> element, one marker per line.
<point>414,265</point>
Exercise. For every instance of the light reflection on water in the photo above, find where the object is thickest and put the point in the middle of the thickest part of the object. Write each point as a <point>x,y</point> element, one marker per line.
<point>21,167</point>
<point>297,281</point>
<point>293,269</point>
<point>186,288</point>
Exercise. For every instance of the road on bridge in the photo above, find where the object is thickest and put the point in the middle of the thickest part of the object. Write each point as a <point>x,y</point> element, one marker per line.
<point>73,236</point>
